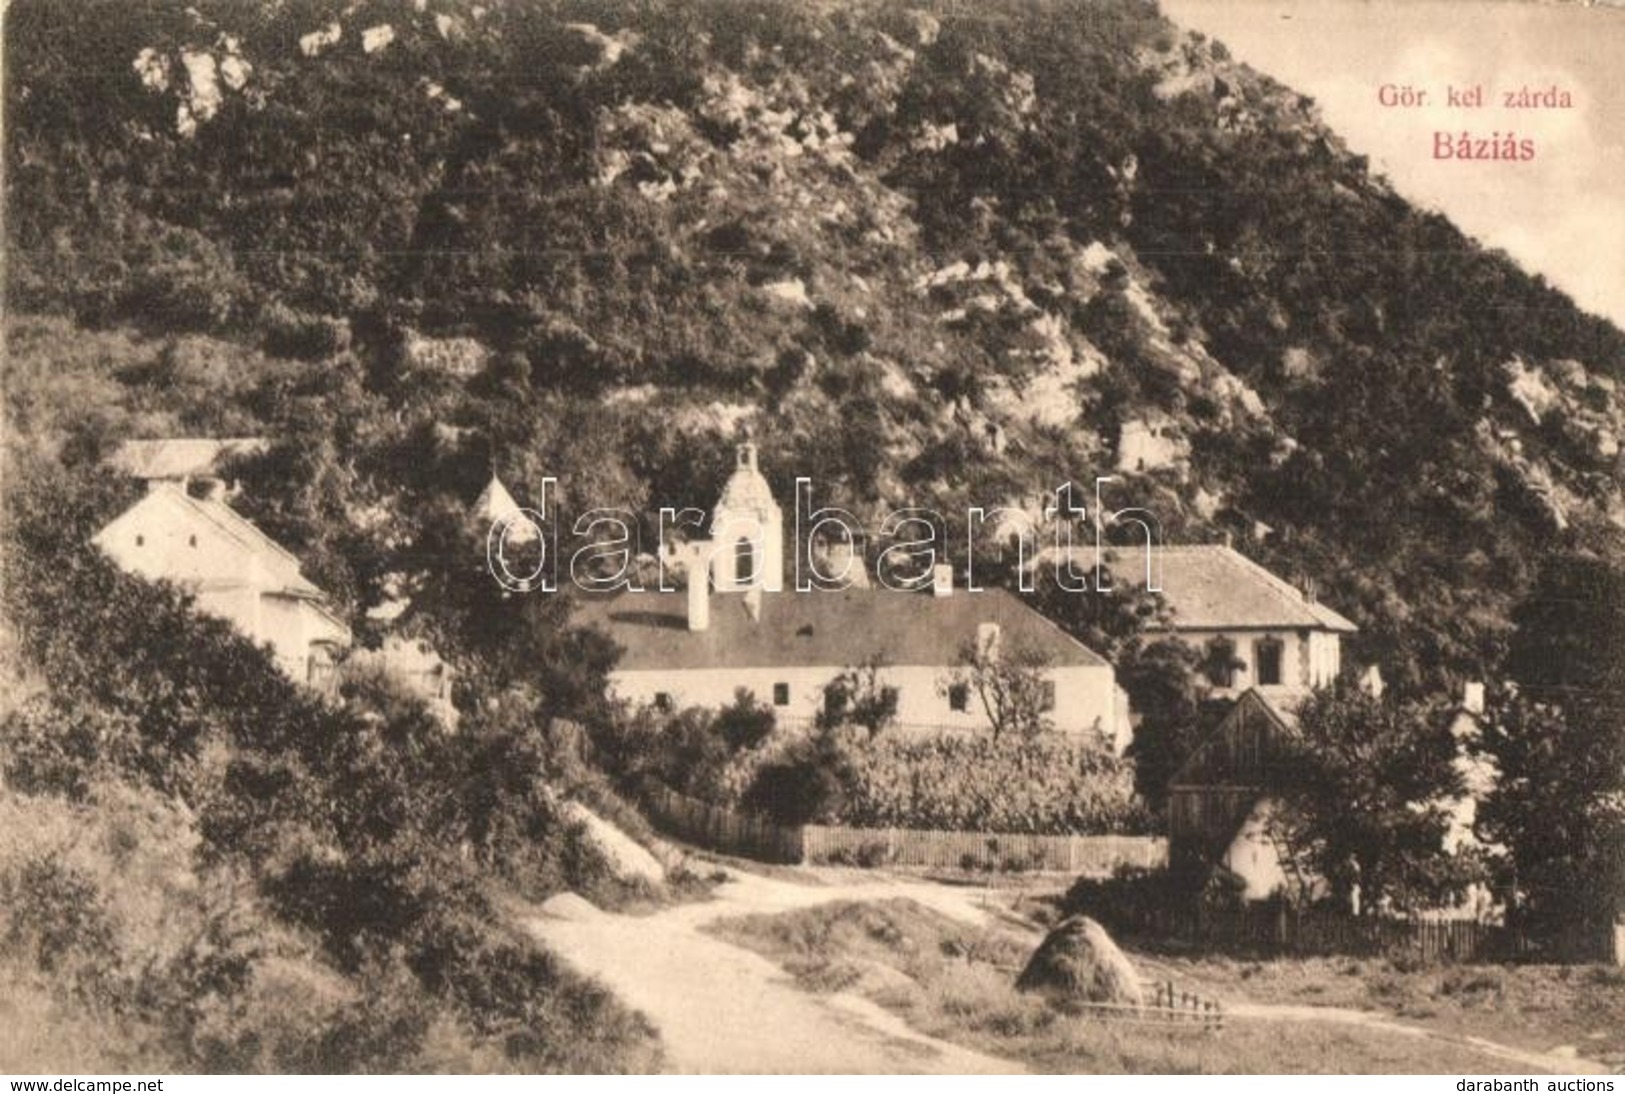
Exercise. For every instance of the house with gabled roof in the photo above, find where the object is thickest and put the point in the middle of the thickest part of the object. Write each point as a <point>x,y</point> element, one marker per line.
<point>232,569</point>
<point>793,644</point>
<point>1257,630</point>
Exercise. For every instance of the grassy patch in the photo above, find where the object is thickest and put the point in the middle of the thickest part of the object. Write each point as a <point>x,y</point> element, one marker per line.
<point>957,983</point>
<point>1536,1007</point>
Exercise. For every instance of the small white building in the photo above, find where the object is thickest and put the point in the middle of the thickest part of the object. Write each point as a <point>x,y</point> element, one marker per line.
<point>496,506</point>
<point>181,459</point>
<point>747,528</point>
<point>234,571</point>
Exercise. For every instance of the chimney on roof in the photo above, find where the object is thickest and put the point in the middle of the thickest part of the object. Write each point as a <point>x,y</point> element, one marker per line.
<point>1311,594</point>
<point>1229,539</point>
<point>942,579</point>
<point>699,593</point>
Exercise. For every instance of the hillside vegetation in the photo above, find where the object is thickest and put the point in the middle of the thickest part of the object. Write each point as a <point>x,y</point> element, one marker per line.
<point>929,255</point>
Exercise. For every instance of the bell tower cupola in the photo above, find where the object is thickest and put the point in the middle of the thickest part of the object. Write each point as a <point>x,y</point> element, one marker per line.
<point>747,529</point>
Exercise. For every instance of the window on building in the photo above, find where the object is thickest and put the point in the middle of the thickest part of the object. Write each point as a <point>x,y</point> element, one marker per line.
<point>781,694</point>
<point>1220,666</point>
<point>959,697</point>
<point>662,700</point>
<point>834,703</point>
<point>140,541</point>
<point>744,561</point>
<point>1046,695</point>
<point>191,541</point>
<point>1267,653</point>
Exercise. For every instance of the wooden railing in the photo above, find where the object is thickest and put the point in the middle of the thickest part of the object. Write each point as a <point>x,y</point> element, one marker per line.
<point>1168,1007</point>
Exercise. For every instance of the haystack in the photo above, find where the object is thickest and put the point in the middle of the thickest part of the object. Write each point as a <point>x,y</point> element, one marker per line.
<point>1080,963</point>
<point>627,858</point>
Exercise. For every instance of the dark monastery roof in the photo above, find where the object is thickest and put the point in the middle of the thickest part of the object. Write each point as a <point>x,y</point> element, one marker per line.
<point>821,629</point>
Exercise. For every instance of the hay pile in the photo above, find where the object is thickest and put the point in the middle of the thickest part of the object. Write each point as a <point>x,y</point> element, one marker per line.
<point>1080,963</point>
<point>628,858</point>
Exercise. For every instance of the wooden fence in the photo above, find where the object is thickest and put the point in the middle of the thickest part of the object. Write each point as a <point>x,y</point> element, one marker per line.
<point>1168,1007</point>
<point>1279,930</point>
<point>718,829</point>
<point>755,837</point>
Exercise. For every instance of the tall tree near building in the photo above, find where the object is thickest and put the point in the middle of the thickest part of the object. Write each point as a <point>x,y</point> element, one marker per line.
<point>1362,790</point>
<point>1560,743</point>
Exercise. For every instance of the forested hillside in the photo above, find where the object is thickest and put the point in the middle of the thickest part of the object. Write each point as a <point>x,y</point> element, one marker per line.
<point>931,254</point>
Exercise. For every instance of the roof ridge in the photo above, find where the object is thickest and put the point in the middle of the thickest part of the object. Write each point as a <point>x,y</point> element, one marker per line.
<point>1216,735</point>
<point>1047,621</point>
<point>1214,559</point>
<point>241,529</point>
<point>1292,593</point>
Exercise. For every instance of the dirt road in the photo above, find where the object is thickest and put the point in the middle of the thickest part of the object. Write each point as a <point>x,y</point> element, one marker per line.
<point>723,1009</point>
<point>1545,1061</point>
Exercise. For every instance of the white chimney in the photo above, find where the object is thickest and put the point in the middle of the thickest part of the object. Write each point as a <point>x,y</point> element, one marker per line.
<point>1472,697</point>
<point>843,560</point>
<point>699,598</point>
<point>942,579</point>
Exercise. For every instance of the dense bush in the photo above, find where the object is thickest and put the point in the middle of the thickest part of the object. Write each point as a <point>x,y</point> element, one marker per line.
<point>1046,784</point>
<point>357,820</point>
<point>1131,898</point>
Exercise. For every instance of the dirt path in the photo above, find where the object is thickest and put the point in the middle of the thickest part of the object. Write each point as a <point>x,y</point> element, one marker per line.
<point>720,1008</point>
<point>1546,1061</point>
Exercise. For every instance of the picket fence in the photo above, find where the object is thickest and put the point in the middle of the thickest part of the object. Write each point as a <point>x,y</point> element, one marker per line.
<point>748,836</point>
